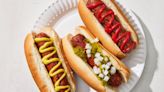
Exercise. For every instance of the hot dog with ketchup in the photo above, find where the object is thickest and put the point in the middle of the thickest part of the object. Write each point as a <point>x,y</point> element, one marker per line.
<point>107,22</point>
<point>92,62</point>
<point>47,62</point>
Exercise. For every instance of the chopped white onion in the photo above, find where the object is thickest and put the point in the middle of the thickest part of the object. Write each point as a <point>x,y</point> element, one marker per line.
<point>103,66</point>
<point>106,78</point>
<point>99,71</point>
<point>106,59</point>
<point>100,58</point>
<point>113,70</point>
<point>107,67</point>
<point>95,70</point>
<point>97,54</point>
<point>96,59</point>
<point>88,55</point>
<point>109,64</point>
<point>88,46</point>
<point>105,72</point>
<point>88,51</point>
<point>97,62</point>
<point>101,75</point>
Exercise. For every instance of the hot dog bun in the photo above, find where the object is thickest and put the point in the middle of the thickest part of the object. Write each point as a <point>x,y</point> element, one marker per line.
<point>98,30</point>
<point>83,69</point>
<point>36,66</point>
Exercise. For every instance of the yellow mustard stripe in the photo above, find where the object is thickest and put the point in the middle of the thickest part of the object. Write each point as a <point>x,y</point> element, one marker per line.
<point>53,72</point>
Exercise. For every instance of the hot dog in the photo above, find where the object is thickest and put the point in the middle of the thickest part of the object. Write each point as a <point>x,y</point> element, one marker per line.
<point>92,62</point>
<point>107,22</point>
<point>47,62</point>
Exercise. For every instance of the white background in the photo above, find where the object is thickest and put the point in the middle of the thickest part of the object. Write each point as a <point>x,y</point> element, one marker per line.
<point>17,17</point>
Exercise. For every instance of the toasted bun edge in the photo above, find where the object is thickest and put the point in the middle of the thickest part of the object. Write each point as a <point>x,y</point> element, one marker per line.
<point>123,69</point>
<point>97,29</point>
<point>36,66</point>
<point>80,67</point>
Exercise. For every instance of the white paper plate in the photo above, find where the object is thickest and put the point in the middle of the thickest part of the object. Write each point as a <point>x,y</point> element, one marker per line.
<point>63,16</point>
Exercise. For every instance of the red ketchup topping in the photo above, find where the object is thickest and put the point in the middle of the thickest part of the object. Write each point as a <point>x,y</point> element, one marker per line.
<point>112,26</point>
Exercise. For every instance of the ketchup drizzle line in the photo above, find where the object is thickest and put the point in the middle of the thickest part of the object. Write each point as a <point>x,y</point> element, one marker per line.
<point>110,27</point>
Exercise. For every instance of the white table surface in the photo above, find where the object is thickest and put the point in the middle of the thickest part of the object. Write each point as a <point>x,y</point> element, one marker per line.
<point>17,17</point>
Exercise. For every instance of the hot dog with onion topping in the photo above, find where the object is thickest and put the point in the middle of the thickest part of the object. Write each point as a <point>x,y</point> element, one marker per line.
<point>92,62</point>
<point>107,22</point>
<point>47,62</point>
